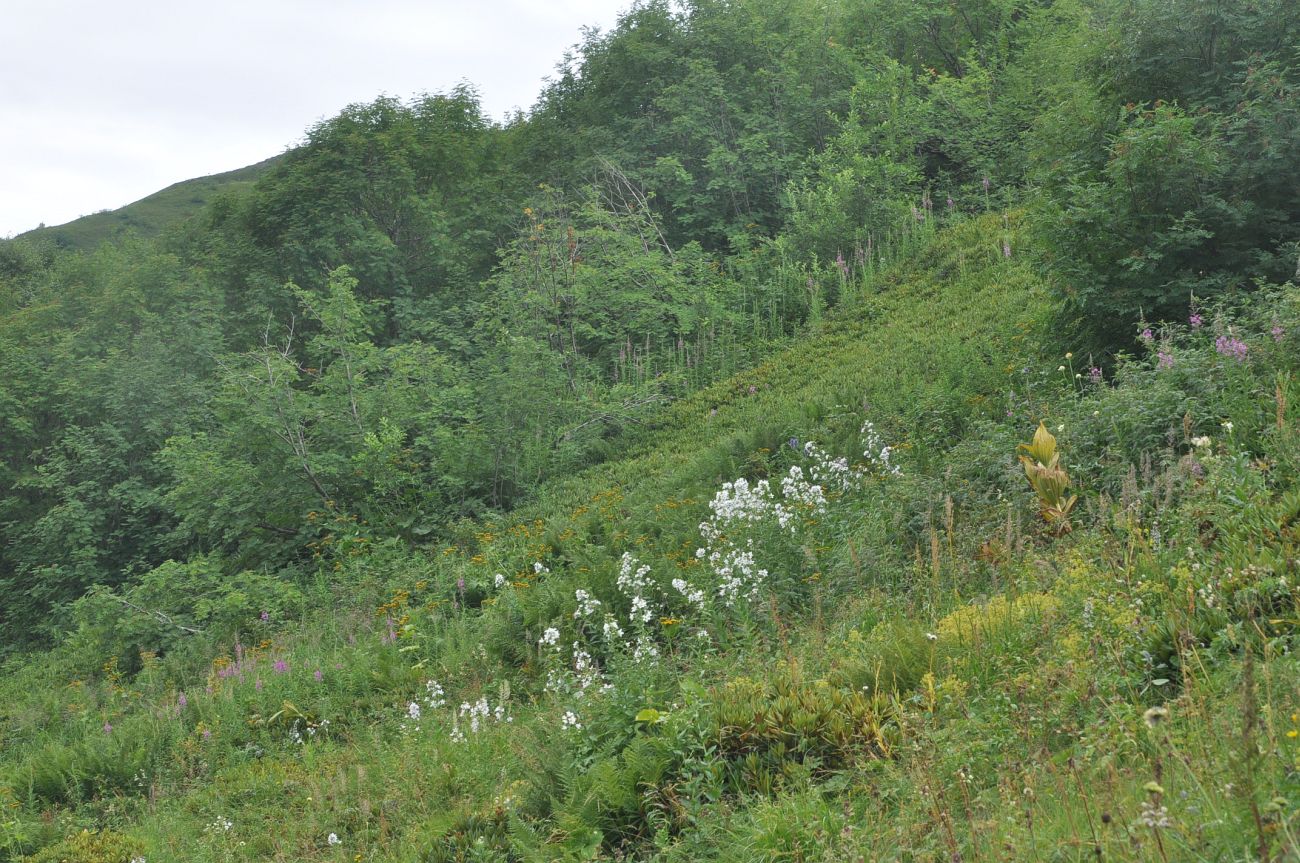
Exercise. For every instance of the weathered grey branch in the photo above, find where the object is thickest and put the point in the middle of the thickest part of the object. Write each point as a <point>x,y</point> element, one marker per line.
<point>158,615</point>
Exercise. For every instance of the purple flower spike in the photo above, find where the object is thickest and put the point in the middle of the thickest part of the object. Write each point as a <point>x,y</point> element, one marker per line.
<point>1231,346</point>
<point>1094,375</point>
<point>1164,359</point>
<point>1147,335</point>
<point>108,728</point>
<point>1196,321</point>
<point>318,675</point>
<point>280,666</point>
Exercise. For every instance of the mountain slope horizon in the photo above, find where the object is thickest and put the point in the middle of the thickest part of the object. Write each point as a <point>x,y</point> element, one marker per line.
<point>152,214</point>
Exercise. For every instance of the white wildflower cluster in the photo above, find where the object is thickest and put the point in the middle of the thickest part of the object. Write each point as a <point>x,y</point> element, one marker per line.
<point>221,824</point>
<point>1154,815</point>
<point>737,576</point>
<point>569,721</point>
<point>579,676</point>
<point>799,492</point>
<point>587,604</point>
<point>550,638</point>
<point>333,839</point>
<point>500,580</point>
<point>635,583</point>
<point>878,455</point>
<point>303,730</point>
<point>477,716</point>
<point>693,595</point>
<point>645,649</point>
<point>830,473</point>
<point>434,699</point>
<point>539,568</point>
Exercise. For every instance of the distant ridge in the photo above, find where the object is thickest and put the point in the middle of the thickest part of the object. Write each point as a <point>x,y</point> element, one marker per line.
<point>149,215</point>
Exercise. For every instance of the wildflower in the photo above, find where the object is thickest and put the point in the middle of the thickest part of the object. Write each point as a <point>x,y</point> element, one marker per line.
<point>182,702</point>
<point>1164,359</point>
<point>1147,335</point>
<point>951,202</point>
<point>1231,346</point>
<point>319,675</point>
<point>1226,425</point>
<point>985,184</point>
<point>207,734</point>
<point>500,581</point>
<point>1006,248</point>
<point>1202,441</point>
<point>413,711</point>
<point>587,605</point>
<point>1155,715</point>
<point>108,728</point>
<point>1060,368</point>
<point>1094,375</point>
<point>550,637</point>
<point>570,720</point>
<point>258,685</point>
<point>930,636</point>
<point>1154,816</point>
<point>1277,332</point>
<point>266,617</point>
<point>280,666</point>
<point>333,839</point>
<point>1196,321</point>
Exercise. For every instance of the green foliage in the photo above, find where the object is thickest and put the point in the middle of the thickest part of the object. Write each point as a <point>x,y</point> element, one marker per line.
<point>637,478</point>
<point>1182,198</point>
<point>104,846</point>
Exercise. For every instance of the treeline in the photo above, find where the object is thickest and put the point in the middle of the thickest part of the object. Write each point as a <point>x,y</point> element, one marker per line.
<point>418,314</point>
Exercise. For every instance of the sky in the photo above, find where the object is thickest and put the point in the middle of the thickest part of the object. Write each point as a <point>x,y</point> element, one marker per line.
<point>103,102</point>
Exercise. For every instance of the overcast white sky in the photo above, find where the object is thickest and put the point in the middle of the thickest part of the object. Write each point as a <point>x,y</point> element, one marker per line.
<point>103,102</point>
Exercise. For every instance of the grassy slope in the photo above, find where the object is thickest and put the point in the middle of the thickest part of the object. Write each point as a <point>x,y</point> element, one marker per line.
<point>150,215</point>
<point>1013,733</point>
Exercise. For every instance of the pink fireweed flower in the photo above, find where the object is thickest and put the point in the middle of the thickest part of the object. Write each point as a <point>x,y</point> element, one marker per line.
<point>1277,332</point>
<point>280,666</point>
<point>108,728</point>
<point>1196,321</point>
<point>318,675</point>
<point>1164,359</point>
<point>1147,335</point>
<point>1094,375</point>
<point>1231,346</point>
<point>182,702</point>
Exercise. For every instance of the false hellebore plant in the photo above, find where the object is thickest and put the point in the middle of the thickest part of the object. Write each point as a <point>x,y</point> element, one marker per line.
<point>1048,480</point>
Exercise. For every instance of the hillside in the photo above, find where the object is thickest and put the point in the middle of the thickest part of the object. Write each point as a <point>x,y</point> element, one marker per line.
<point>816,431</point>
<point>150,215</point>
<point>916,640</point>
